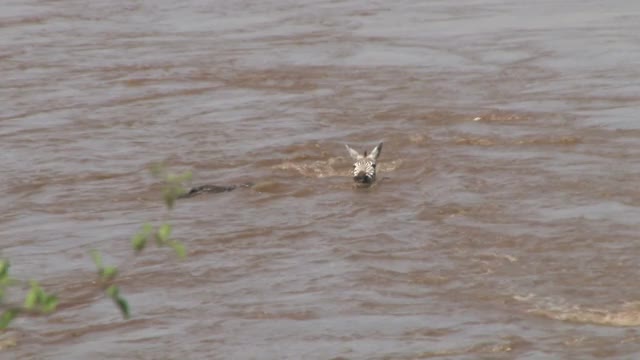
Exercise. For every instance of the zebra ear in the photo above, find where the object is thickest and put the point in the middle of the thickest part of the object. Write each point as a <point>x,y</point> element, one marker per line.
<point>376,152</point>
<point>354,154</point>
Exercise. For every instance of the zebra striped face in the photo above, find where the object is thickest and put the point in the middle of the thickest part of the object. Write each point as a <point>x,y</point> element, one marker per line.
<point>364,171</point>
<point>364,166</point>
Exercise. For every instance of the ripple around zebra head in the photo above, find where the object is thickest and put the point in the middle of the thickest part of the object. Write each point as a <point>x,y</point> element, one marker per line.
<point>336,166</point>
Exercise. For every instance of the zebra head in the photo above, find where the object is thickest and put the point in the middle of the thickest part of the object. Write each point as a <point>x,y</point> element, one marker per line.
<point>364,166</point>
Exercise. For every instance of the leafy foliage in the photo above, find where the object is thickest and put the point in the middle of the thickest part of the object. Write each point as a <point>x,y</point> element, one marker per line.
<point>173,188</point>
<point>107,274</point>
<point>5,282</point>
<point>113,292</point>
<point>38,301</point>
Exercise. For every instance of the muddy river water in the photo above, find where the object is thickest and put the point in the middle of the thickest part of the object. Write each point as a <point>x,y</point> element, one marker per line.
<point>506,224</point>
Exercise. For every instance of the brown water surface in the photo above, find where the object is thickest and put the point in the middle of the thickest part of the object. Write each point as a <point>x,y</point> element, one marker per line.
<point>506,226</point>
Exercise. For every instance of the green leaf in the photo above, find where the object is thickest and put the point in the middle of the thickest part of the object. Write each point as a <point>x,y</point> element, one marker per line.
<point>181,191</point>
<point>139,240</point>
<point>169,198</point>
<point>4,269</point>
<point>113,291</point>
<point>8,282</point>
<point>179,248</point>
<point>8,316</point>
<point>5,280</point>
<point>172,183</point>
<point>164,232</point>
<point>49,304</point>
<point>38,299</point>
<point>185,176</point>
<point>109,273</point>
<point>123,305</point>
<point>97,258</point>
<point>33,296</point>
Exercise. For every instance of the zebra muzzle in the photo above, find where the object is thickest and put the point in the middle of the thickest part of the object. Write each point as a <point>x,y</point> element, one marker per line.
<point>362,177</point>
